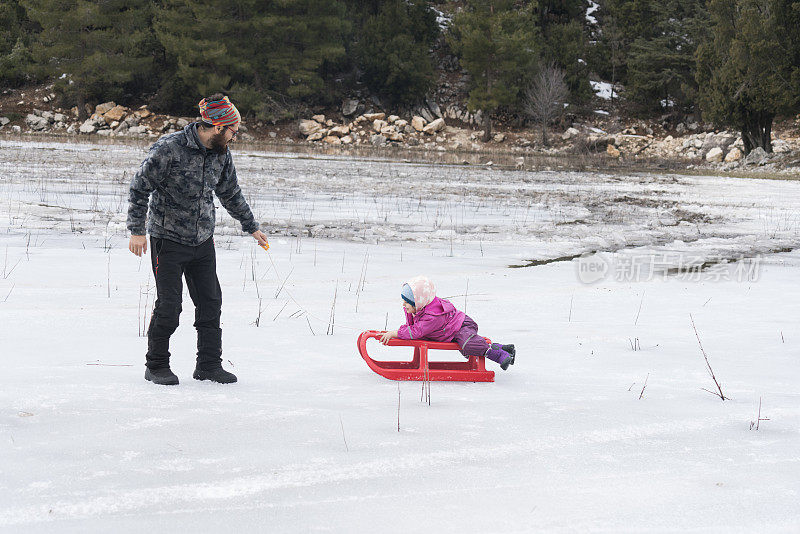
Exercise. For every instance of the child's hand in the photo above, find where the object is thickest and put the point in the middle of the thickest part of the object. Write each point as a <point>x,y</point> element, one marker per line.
<point>387,336</point>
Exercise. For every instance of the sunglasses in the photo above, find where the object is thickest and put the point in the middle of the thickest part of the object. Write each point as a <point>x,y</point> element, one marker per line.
<point>234,132</point>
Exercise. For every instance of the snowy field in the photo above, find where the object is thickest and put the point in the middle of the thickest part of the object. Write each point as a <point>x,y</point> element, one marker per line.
<point>602,425</point>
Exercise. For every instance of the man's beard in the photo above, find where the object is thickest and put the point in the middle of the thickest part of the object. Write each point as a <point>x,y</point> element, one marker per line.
<point>218,143</point>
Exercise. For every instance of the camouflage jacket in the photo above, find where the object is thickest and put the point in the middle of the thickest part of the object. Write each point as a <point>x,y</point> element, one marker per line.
<point>182,176</point>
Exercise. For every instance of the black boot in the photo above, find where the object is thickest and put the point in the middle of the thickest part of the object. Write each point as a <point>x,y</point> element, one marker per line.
<point>219,375</point>
<point>163,376</point>
<point>510,350</point>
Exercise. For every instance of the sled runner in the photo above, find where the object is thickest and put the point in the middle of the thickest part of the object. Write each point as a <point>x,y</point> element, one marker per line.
<point>419,368</point>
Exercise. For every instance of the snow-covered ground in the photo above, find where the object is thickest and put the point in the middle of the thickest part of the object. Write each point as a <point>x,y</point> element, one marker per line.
<point>603,90</point>
<point>308,440</point>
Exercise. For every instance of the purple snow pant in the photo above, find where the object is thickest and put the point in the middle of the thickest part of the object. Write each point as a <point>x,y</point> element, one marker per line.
<point>468,339</point>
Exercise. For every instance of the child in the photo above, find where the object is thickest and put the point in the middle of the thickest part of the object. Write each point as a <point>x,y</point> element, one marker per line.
<point>435,319</point>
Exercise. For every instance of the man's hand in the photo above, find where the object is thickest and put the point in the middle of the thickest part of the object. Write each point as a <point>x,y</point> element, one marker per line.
<point>261,237</point>
<point>387,336</point>
<point>138,244</point>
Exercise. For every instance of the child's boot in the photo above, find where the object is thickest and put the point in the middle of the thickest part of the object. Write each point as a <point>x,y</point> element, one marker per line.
<point>508,348</point>
<point>500,356</point>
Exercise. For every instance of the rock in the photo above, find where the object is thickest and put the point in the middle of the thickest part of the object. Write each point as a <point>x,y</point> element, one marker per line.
<point>757,156</point>
<point>668,138</point>
<point>101,109</point>
<point>722,140</point>
<point>72,128</point>
<point>273,135</point>
<point>378,125</point>
<point>693,126</point>
<point>427,115</point>
<point>680,129</point>
<point>371,117</point>
<point>332,140</point>
<point>408,129</point>
<point>596,143</point>
<point>308,127</point>
<point>131,120</point>
<point>35,123</point>
<point>339,131</point>
<point>113,124</point>
<point>58,117</point>
<point>142,113</point>
<point>734,155</point>
<point>434,127</point>
<point>392,119</point>
<point>519,163</point>
<point>412,141</point>
<point>418,123</point>
<point>697,143</point>
<point>613,151</point>
<point>524,143</point>
<point>105,133</point>
<point>715,155</point>
<point>329,123</point>
<point>121,129</point>
<point>570,133</point>
<point>48,115</point>
<point>477,118</point>
<point>319,119</point>
<point>401,124</point>
<point>779,146</point>
<point>137,130</point>
<point>347,140</point>
<point>16,129</point>
<point>183,123</point>
<point>316,136</point>
<point>4,121</point>
<point>377,139</point>
<point>349,107</point>
<point>393,135</point>
<point>117,113</point>
<point>434,107</point>
<point>499,137</point>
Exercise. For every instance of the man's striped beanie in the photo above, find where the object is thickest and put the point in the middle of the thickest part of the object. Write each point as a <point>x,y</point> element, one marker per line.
<point>219,112</point>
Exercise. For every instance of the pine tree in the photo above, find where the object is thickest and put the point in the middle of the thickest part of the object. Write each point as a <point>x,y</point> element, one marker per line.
<point>498,47</point>
<point>621,23</point>
<point>266,55</point>
<point>16,32</point>
<point>564,41</point>
<point>103,48</point>
<point>748,71</point>
<point>393,50</point>
<point>661,68</point>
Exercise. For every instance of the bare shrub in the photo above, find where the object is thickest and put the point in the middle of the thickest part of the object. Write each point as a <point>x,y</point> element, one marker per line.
<point>545,98</point>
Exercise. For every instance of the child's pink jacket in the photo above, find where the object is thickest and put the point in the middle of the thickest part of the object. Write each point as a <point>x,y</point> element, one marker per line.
<point>438,321</point>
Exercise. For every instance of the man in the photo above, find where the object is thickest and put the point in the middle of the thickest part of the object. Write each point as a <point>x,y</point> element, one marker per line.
<point>178,179</point>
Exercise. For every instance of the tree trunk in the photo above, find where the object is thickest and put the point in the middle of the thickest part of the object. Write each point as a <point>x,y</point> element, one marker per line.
<point>82,115</point>
<point>487,127</point>
<point>544,133</point>
<point>757,132</point>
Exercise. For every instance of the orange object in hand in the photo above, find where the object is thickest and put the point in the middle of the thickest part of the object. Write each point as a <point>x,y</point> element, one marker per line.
<point>265,247</point>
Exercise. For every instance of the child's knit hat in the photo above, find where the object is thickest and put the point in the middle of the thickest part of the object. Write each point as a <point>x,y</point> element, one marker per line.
<point>407,294</point>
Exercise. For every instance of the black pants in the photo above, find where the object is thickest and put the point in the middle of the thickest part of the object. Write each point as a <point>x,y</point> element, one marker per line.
<point>172,261</point>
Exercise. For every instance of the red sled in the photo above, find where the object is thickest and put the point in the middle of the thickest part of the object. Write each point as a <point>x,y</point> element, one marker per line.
<point>419,368</point>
